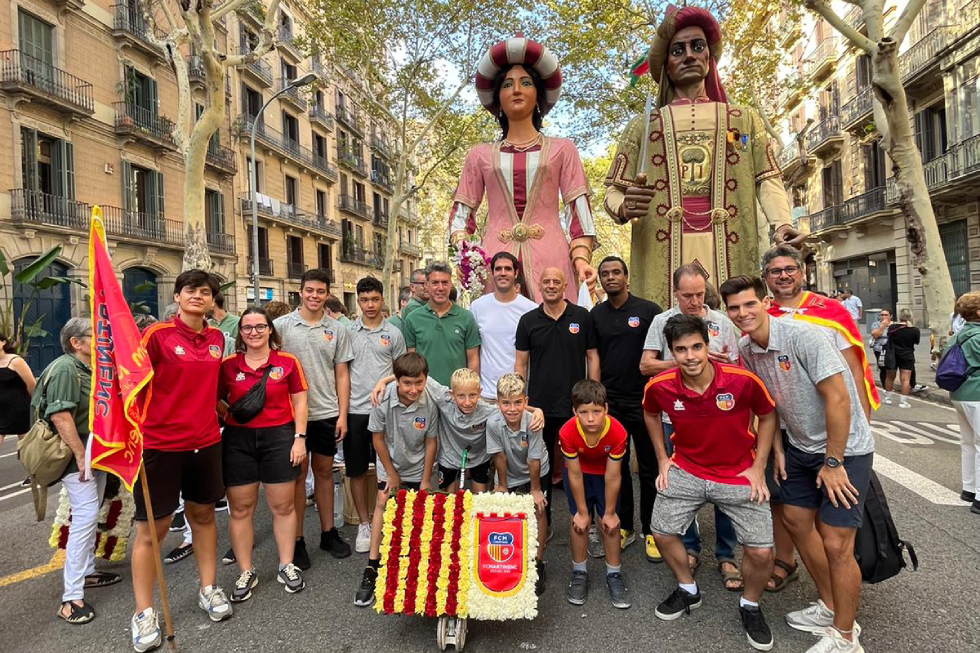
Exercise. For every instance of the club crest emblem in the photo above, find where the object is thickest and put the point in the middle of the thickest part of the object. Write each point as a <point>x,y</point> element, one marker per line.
<point>608,448</point>
<point>179,350</point>
<point>725,401</point>
<point>633,322</point>
<point>215,351</point>
<point>240,376</point>
<point>523,440</point>
<point>328,335</point>
<point>678,405</point>
<point>276,373</point>
<point>500,546</point>
<point>385,340</point>
<point>783,363</point>
<point>713,329</point>
<point>573,327</point>
<point>419,423</point>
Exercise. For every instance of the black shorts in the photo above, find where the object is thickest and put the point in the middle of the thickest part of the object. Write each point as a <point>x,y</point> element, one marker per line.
<point>258,455</point>
<point>478,474</point>
<point>196,474</point>
<point>800,487</point>
<point>358,446</point>
<point>905,362</point>
<point>321,436</point>
<point>525,488</point>
<point>408,485</point>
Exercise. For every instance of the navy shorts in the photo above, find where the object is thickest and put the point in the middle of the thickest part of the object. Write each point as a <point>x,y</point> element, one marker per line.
<point>800,487</point>
<point>478,474</point>
<point>595,493</point>
<point>321,436</point>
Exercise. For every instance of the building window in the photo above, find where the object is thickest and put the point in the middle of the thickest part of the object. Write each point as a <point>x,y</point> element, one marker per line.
<point>874,165</point>
<point>258,174</point>
<point>968,108</point>
<point>37,53</point>
<point>214,206</point>
<point>319,146</point>
<point>290,129</point>
<point>862,71</point>
<point>142,193</point>
<point>833,185</point>
<point>360,194</point>
<point>265,264</point>
<point>288,70</point>
<point>47,164</point>
<point>292,192</point>
<point>251,102</point>
<point>930,132</point>
<point>141,95</point>
<point>294,256</point>
<point>324,261</point>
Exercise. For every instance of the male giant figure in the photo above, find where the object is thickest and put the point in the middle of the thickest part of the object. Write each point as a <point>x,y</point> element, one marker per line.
<point>707,162</point>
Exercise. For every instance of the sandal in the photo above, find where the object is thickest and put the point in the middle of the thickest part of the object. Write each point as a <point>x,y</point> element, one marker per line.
<point>101,579</point>
<point>731,576</point>
<point>780,582</point>
<point>697,561</point>
<point>79,614</point>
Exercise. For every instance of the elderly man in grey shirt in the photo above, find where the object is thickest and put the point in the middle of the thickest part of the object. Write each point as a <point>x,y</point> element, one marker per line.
<point>827,464</point>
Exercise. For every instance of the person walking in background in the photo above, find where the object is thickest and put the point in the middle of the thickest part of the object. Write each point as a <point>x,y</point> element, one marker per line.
<point>853,304</point>
<point>900,356</point>
<point>966,398</point>
<point>16,389</point>
<point>879,340</point>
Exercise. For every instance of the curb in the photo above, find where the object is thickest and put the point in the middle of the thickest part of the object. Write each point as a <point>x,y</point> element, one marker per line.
<point>931,394</point>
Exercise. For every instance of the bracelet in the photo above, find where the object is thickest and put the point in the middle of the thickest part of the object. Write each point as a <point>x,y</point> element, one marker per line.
<point>299,435</point>
<point>575,258</point>
<point>571,252</point>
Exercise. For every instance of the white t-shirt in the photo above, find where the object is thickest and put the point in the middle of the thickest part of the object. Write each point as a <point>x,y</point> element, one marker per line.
<point>497,322</point>
<point>853,305</point>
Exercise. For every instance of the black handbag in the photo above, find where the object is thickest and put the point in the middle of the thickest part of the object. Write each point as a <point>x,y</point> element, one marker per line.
<point>250,404</point>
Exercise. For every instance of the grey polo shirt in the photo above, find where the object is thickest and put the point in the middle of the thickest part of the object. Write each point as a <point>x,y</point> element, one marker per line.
<point>406,428</point>
<point>318,347</point>
<point>519,446</point>
<point>722,332</point>
<point>457,430</point>
<point>800,356</point>
<point>374,352</point>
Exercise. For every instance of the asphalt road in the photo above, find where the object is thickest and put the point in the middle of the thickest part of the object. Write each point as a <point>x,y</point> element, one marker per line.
<point>934,609</point>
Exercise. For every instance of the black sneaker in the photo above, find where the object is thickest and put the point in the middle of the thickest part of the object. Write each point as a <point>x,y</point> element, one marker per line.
<point>178,554</point>
<point>578,588</point>
<point>178,523</point>
<point>756,629</point>
<point>618,592</point>
<point>975,508</point>
<point>300,557</point>
<point>365,593</point>
<point>677,604</point>
<point>26,482</point>
<point>332,543</point>
<point>968,497</point>
<point>247,580</point>
<point>542,577</point>
<point>229,557</point>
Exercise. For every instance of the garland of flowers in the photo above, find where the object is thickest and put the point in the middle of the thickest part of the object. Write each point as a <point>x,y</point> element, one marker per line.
<point>406,531</point>
<point>435,556</point>
<point>414,554</point>
<point>390,552</point>
<point>442,583</point>
<point>422,591</point>
<point>472,262</point>
<point>115,523</point>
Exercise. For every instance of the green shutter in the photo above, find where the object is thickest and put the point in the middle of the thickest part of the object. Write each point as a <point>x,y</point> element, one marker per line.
<point>58,168</point>
<point>28,141</point>
<point>128,187</point>
<point>160,207</point>
<point>69,170</point>
<point>220,227</point>
<point>154,99</point>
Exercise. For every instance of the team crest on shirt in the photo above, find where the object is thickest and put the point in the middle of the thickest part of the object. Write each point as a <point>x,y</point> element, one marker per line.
<point>608,448</point>
<point>328,335</point>
<point>179,350</point>
<point>783,363</point>
<point>678,405</point>
<point>523,440</point>
<point>633,322</point>
<point>419,423</point>
<point>713,329</point>
<point>240,376</point>
<point>385,340</point>
<point>725,401</point>
<point>573,327</point>
<point>276,373</point>
<point>215,351</point>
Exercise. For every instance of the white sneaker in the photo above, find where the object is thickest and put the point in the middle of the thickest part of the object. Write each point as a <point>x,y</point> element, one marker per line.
<point>904,404</point>
<point>146,631</point>
<point>363,542</point>
<point>832,641</point>
<point>212,600</point>
<point>813,619</point>
<point>888,399</point>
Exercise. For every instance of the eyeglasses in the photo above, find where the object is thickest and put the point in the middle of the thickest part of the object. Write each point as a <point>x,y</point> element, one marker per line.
<point>257,328</point>
<point>790,270</point>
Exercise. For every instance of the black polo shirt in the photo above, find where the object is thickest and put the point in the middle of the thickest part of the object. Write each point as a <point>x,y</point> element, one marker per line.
<point>557,355</point>
<point>620,333</point>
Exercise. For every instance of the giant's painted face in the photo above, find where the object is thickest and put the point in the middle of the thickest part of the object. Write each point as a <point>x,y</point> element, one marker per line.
<point>687,56</point>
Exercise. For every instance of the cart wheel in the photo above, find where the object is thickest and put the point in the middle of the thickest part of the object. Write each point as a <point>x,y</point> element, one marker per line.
<point>460,634</point>
<point>441,627</point>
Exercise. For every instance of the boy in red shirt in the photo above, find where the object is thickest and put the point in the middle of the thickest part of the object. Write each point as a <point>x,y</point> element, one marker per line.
<point>716,459</point>
<point>593,444</point>
<point>181,448</point>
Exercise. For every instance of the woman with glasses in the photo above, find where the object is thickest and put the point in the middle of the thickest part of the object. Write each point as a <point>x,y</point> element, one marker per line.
<point>268,448</point>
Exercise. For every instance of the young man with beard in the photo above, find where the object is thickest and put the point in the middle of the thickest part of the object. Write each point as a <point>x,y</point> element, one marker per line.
<point>716,459</point>
<point>323,347</point>
<point>621,324</point>
<point>497,315</point>
<point>828,461</point>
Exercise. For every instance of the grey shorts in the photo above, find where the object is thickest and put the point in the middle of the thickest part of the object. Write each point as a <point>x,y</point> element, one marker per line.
<point>678,505</point>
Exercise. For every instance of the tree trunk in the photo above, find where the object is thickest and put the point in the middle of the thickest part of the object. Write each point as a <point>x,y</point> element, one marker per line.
<point>921,228</point>
<point>396,206</point>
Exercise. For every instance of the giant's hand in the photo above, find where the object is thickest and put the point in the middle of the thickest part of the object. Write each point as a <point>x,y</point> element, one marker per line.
<point>787,235</point>
<point>636,202</point>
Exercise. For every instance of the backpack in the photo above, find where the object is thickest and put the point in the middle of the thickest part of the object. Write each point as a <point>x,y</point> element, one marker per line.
<point>879,551</point>
<point>953,370</point>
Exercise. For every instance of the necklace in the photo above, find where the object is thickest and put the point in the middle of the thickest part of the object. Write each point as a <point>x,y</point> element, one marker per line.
<point>523,147</point>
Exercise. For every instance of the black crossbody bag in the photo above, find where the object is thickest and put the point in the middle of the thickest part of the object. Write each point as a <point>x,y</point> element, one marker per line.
<point>250,404</point>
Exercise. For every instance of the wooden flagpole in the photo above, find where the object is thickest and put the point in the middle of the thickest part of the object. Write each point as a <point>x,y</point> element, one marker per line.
<point>157,564</point>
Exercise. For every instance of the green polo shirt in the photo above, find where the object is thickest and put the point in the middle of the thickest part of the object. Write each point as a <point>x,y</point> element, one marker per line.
<point>442,340</point>
<point>65,385</point>
<point>228,325</point>
<point>412,304</point>
<point>395,321</point>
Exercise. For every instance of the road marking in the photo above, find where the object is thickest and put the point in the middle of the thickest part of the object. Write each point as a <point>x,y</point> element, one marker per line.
<point>56,562</point>
<point>14,494</point>
<point>926,488</point>
<point>7,455</point>
<point>7,487</point>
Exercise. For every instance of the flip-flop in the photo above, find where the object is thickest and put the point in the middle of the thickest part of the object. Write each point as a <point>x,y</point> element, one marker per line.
<point>731,576</point>
<point>79,614</point>
<point>101,579</point>
<point>780,582</point>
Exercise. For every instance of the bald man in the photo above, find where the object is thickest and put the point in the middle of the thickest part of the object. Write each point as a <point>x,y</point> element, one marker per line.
<point>556,347</point>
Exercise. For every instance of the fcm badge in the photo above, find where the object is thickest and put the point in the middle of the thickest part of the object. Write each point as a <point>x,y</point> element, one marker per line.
<point>725,401</point>
<point>501,554</point>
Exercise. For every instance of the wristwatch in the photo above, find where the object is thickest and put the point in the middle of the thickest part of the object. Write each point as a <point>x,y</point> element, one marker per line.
<point>299,435</point>
<point>832,462</point>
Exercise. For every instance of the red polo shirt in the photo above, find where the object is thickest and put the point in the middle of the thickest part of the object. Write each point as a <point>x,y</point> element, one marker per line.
<point>285,379</point>
<point>611,444</point>
<point>179,402</point>
<point>712,437</point>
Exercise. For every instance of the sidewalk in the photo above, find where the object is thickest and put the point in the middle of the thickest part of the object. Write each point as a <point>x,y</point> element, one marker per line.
<point>923,373</point>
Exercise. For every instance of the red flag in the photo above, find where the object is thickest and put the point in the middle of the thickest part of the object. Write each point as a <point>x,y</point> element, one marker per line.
<point>120,367</point>
<point>829,313</point>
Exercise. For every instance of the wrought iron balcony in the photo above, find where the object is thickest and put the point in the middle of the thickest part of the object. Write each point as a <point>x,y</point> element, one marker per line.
<point>221,158</point>
<point>855,18</point>
<point>922,55</point>
<point>321,116</point>
<point>293,95</point>
<point>42,82</point>
<point>32,206</point>
<point>965,157</point>
<point>265,266</point>
<point>295,269</point>
<point>380,219</point>
<point>863,205</point>
<point>824,135</point>
<point>858,110</point>
<point>144,124</point>
<point>352,205</point>
<point>195,70</point>
<point>408,248</point>
<point>129,24</point>
<point>825,219</point>
<point>260,70</point>
<point>284,146</point>
<point>288,214</point>
<point>349,119</point>
<point>354,162</point>
<point>823,58</point>
<point>352,253</point>
<point>380,145</point>
<point>937,171</point>
<point>287,40</point>
<point>382,180</point>
<point>221,243</point>
<point>320,69</point>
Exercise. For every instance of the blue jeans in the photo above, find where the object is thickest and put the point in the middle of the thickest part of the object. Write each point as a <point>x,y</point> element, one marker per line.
<point>725,538</point>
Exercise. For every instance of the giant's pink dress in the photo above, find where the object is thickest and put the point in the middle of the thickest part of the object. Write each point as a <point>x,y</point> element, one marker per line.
<point>523,217</point>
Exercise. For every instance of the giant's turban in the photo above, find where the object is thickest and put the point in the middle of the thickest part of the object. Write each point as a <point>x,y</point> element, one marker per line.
<point>675,20</point>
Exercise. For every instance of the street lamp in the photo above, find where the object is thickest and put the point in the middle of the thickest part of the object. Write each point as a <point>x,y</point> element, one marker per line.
<point>305,80</point>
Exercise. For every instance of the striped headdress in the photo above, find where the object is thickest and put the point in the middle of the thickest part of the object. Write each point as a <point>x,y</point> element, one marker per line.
<point>519,50</point>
